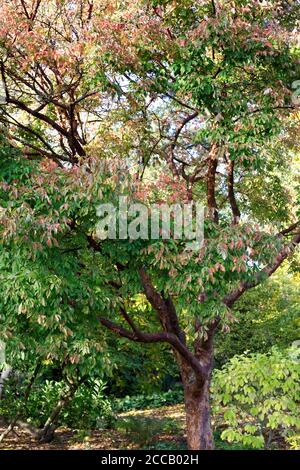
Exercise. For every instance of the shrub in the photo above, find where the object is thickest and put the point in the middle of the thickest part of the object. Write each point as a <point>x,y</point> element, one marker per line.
<point>89,408</point>
<point>256,397</point>
<point>156,400</point>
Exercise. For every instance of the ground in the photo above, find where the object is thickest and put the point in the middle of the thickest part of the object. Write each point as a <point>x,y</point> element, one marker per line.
<point>132,430</point>
<point>160,428</point>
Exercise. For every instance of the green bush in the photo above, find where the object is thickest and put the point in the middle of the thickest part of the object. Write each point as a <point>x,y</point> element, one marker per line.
<point>143,402</point>
<point>256,398</point>
<point>89,408</point>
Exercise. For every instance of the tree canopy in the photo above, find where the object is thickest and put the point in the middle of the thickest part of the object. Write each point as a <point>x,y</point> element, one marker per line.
<point>164,102</point>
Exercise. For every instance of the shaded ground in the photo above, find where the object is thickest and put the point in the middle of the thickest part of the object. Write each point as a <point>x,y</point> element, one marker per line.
<point>159,428</point>
<point>132,430</point>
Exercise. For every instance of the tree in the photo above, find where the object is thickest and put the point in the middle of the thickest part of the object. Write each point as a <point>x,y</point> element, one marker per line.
<point>200,90</point>
<point>46,306</point>
<point>51,85</point>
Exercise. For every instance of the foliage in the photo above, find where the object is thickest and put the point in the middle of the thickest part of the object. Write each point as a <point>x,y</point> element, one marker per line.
<point>294,442</point>
<point>256,397</point>
<point>140,371</point>
<point>156,400</point>
<point>163,101</point>
<point>265,317</point>
<point>233,70</point>
<point>88,409</point>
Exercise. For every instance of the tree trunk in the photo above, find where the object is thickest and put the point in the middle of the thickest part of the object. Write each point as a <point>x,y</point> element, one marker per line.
<point>196,400</point>
<point>46,434</point>
<point>198,424</point>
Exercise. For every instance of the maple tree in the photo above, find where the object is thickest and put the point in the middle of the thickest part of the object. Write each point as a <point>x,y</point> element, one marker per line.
<point>188,99</point>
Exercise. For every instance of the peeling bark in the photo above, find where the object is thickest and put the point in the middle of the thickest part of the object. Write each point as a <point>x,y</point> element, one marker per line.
<point>197,404</point>
<point>198,422</point>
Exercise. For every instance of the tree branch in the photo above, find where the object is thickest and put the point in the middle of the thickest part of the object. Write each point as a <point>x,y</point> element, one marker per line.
<point>233,296</point>
<point>289,229</point>
<point>167,316</point>
<point>170,338</point>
